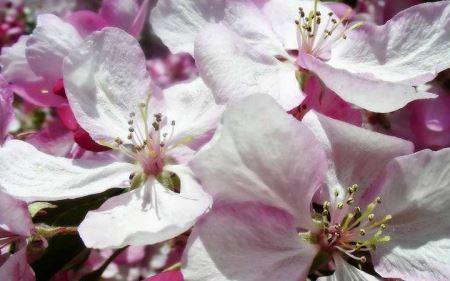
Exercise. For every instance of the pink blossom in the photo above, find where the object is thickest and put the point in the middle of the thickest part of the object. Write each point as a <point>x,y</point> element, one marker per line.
<point>381,205</point>
<point>157,131</point>
<point>34,65</point>
<point>246,42</point>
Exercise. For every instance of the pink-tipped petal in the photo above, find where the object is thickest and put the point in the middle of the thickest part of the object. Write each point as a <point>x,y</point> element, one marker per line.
<point>120,13</point>
<point>262,153</point>
<point>86,22</point>
<point>362,90</point>
<point>411,48</point>
<point>247,241</point>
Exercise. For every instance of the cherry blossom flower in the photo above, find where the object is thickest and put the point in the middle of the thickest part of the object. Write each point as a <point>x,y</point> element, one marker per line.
<point>108,88</point>
<point>54,38</point>
<point>247,41</point>
<point>15,227</point>
<point>34,64</point>
<point>380,204</point>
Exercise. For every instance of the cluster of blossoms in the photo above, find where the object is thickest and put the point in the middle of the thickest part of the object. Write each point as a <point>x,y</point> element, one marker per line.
<point>224,140</point>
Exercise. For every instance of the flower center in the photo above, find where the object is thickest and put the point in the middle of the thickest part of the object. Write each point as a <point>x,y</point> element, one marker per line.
<point>148,144</point>
<point>350,229</point>
<point>318,34</point>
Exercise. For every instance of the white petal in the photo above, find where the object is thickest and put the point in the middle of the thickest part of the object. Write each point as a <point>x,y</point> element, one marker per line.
<point>415,191</point>
<point>261,153</point>
<point>192,106</point>
<point>105,80</point>
<point>411,48</point>
<point>346,272</point>
<point>233,68</point>
<point>362,90</point>
<point>177,22</point>
<point>147,215</point>
<point>31,175</point>
<point>246,241</point>
<point>50,42</point>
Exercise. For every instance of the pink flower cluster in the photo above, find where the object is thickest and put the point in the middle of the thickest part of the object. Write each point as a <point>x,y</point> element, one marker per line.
<point>278,140</point>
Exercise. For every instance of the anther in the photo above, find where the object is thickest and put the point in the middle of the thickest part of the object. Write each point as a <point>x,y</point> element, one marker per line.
<point>131,176</point>
<point>371,217</point>
<point>131,130</point>
<point>158,117</point>
<point>340,205</point>
<point>118,141</point>
<point>172,123</point>
<point>378,200</point>
<point>132,114</point>
<point>363,259</point>
<point>336,193</point>
<point>362,232</point>
<point>350,200</point>
<point>155,126</point>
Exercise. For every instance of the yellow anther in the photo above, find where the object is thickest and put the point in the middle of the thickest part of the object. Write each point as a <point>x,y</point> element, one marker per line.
<point>362,232</point>
<point>371,217</point>
<point>340,205</point>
